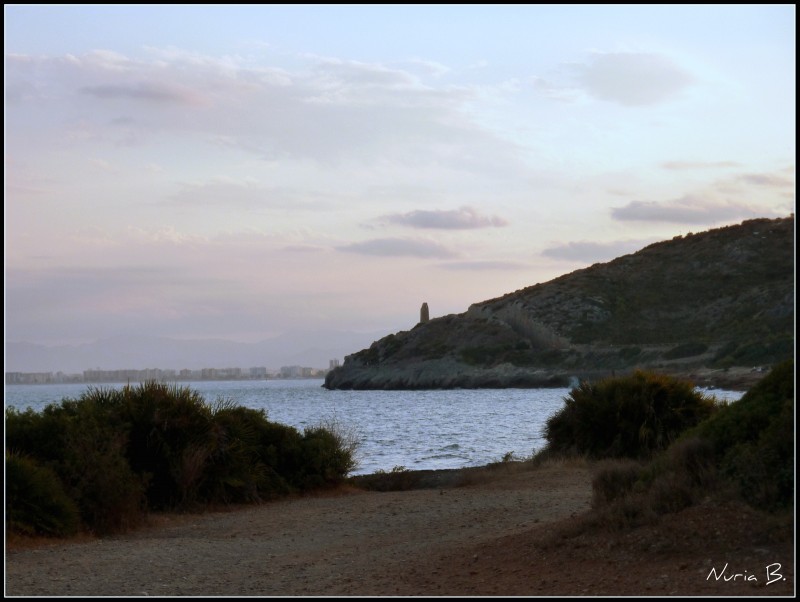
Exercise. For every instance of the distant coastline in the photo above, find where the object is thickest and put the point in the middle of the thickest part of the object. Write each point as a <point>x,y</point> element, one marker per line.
<point>161,375</point>
<point>733,379</point>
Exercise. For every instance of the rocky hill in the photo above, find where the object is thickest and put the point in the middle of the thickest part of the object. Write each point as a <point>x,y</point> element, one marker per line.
<point>705,305</point>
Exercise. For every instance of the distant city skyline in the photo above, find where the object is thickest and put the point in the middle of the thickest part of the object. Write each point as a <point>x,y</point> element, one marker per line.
<point>241,172</point>
<point>163,375</point>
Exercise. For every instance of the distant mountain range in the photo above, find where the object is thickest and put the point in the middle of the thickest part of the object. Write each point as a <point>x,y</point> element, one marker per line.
<point>714,301</point>
<point>312,349</point>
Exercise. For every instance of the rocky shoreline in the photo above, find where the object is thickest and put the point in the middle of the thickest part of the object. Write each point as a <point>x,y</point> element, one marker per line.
<point>442,373</point>
<point>447,373</point>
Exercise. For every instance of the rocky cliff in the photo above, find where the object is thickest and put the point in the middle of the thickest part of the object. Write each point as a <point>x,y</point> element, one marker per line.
<point>718,302</point>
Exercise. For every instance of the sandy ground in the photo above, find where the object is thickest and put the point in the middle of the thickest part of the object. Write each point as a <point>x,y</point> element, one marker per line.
<point>510,534</point>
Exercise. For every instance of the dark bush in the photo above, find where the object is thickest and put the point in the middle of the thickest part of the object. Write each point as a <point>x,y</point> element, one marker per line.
<point>77,441</point>
<point>280,450</point>
<point>36,503</point>
<point>37,434</point>
<point>169,439</point>
<point>613,479</point>
<point>630,416</point>
<point>235,471</point>
<point>324,461</point>
<point>764,352</point>
<point>117,452</point>
<point>628,494</point>
<point>753,439</point>
<point>746,447</point>
<point>724,353</point>
<point>629,353</point>
<point>98,477</point>
<point>686,350</point>
<point>480,356</point>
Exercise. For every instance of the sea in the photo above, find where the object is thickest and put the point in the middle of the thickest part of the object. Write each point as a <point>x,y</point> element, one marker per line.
<point>413,430</point>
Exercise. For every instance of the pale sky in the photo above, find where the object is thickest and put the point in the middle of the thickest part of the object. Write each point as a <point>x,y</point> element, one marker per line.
<point>238,172</point>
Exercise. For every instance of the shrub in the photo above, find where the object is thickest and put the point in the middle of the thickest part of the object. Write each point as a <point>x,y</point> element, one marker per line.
<point>235,471</point>
<point>753,440</point>
<point>328,455</point>
<point>78,442</point>
<point>613,479</point>
<point>693,458</point>
<point>98,477</point>
<point>680,476</point>
<point>517,354</point>
<point>746,447</point>
<point>764,352</point>
<point>347,440</point>
<point>36,434</point>
<point>630,416</point>
<point>36,503</point>
<point>169,439</point>
<point>279,449</point>
<point>629,353</point>
<point>114,453</point>
<point>686,350</point>
<point>481,356</point>
<point>724,353</point>
<point>627,493</point>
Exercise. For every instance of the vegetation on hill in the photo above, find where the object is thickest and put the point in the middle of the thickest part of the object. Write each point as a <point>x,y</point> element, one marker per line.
<point>717,300</point>
<point>101,461</point>
<point>731,283</point>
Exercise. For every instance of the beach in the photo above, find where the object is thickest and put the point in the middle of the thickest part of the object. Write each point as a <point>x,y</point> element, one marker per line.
<point>505,532</point>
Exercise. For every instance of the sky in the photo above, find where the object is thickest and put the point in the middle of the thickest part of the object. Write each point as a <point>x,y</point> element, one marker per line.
<point>239,172</point>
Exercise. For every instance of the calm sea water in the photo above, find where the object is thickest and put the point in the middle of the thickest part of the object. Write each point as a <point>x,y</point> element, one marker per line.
<point>414,429</point>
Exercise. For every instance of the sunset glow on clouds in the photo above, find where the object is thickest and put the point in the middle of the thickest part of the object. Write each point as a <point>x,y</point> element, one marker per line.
<point>239,172</point>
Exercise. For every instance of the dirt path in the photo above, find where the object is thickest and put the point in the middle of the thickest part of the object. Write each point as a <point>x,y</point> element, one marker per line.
<point>493,537</point>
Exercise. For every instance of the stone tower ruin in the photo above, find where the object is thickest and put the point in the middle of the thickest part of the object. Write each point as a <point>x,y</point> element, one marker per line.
<point>424,316</point>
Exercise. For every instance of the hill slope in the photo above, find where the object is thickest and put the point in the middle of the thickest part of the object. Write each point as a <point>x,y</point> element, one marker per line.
<point>718,300</point>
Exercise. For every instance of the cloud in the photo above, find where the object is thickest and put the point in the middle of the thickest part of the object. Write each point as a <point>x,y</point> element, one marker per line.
<point>399,247</point>
<point>429,67</point>
<point>554,91</point>
<point>779,183</point>
<point>689,209</point>
<point>246,195</point>
<point>485,265</point>
<point>344,75</point>
<point>310,249</point>
<point>682,165</point>
<point>102,164</point>
<point>328,111</point>
<point>767,180</point>
<point>632,79</point>
<point>592,252</point>
<point>148,91</point>
<point>465,218</point>
<point>168,235</point>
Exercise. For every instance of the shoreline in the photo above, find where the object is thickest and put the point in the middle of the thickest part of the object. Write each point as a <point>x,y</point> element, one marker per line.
<point>737,378</point>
